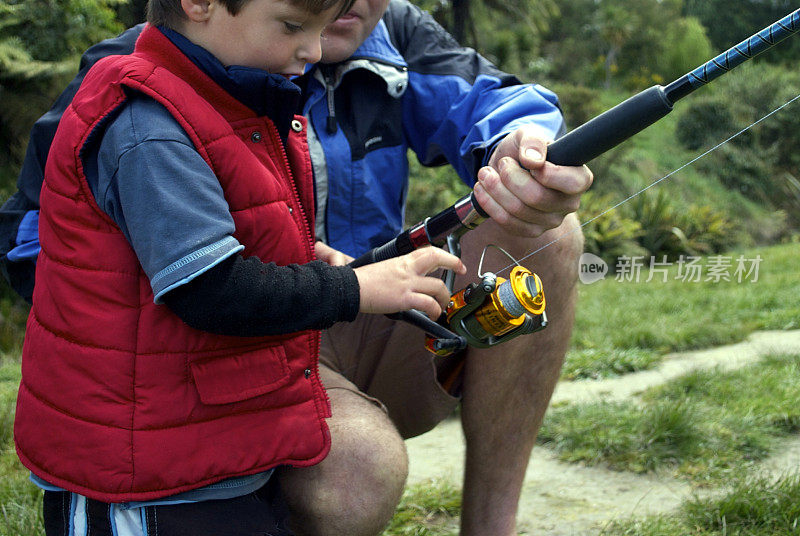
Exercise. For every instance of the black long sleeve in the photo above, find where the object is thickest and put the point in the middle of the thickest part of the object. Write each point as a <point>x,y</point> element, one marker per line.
<point>246,297</point>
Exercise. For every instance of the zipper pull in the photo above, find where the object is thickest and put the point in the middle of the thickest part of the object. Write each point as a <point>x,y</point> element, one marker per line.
<point>331,121</point>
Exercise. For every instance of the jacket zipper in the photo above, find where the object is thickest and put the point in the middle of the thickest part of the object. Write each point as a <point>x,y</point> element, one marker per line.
<point>330,124</point>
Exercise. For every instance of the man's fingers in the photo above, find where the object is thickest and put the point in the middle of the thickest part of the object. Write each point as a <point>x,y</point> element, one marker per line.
<point>570,181</point>
<point>535,222</point>
<point>532,152</point>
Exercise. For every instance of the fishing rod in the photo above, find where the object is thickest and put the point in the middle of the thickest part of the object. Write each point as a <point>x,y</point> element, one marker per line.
<point>467,315</point>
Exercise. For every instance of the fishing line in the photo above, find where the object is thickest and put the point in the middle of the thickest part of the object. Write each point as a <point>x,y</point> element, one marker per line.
<point>665,177</point>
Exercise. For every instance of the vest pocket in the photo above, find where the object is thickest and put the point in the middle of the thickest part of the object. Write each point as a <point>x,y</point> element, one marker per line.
<point>222,380</point>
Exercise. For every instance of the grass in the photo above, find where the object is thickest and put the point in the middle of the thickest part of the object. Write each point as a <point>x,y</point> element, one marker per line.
<point>620,327</point>
<point>704,426</point>
<point>596,363</point>
<point>623,326</point>
<point>13,314</point>
<point>749,506</point>
<point>427,509</point>
<point>20,511</point>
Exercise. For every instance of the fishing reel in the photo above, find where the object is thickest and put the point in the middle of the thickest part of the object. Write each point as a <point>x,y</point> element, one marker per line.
<point>493,311</point>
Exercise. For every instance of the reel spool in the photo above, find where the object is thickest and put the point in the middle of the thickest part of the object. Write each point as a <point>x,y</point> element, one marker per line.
<point>494,310</point>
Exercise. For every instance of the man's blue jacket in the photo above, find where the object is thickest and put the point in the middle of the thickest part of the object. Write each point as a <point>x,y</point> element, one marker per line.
<point>409,85</point>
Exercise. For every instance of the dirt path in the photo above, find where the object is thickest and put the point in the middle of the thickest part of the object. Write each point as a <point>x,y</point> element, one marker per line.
<point>561,499</point>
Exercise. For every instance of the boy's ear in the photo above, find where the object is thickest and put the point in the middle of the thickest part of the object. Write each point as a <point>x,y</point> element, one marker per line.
<point>196,10</point>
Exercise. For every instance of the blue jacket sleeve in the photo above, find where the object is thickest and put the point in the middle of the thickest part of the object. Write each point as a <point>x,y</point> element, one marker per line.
<point>458,105</point>
<point>19,240</point>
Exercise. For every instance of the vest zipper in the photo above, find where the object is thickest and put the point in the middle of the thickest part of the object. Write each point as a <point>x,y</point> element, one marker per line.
<point>317,335</point>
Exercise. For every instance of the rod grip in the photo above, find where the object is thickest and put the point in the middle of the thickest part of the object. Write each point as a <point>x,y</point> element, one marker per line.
<point>399,245</point>
<point>387,251</point>
<point>610,128</point>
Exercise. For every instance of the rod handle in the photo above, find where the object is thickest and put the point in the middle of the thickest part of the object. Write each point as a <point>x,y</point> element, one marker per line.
<point>387,251</point>
<point>610,128</point>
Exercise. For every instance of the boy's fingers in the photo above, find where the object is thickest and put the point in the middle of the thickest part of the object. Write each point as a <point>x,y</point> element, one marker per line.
<point>428,259</point>
<point>427,305</point>
<point>434,288</point>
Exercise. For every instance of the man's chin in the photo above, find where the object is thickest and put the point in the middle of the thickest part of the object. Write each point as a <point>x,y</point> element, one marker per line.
<point>336,49</point>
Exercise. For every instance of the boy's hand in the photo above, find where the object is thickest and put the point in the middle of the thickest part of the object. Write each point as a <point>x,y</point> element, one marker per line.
<point>403,283</point>
<point>334,257</point>
<point>522,192</point>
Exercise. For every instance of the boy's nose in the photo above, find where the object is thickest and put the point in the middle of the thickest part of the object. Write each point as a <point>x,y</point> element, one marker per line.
<point>311,51</point>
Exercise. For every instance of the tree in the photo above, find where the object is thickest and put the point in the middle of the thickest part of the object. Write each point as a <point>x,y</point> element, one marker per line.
<point>731,21</point>
<point>632,43</point>
<point>40,42</point>
<point>508,32</point>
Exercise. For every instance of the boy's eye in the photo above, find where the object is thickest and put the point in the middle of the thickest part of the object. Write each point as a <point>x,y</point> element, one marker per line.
<point>292,28</point>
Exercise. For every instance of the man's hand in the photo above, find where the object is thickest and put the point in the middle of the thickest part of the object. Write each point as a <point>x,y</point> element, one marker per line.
<point>334,257</point>
<point>522,192</point>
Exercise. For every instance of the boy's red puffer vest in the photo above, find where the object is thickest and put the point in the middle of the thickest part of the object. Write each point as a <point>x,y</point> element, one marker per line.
<point>120,400</point>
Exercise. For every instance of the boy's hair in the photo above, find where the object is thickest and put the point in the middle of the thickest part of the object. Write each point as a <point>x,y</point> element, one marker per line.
<point>169,12</point>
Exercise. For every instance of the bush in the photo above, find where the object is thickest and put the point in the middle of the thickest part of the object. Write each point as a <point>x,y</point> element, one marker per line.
<point>611,235</point>
<point>705,230</point>
<point>579,103</point>
<point>431,190</point>
<point>707,120</point>
<point>667,229</point>
<point>762,162</point>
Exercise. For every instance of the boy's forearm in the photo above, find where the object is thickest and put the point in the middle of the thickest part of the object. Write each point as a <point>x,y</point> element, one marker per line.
<point>250,298</point>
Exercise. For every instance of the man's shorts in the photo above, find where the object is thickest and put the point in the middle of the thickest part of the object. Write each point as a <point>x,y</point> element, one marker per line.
<point>386,362</point>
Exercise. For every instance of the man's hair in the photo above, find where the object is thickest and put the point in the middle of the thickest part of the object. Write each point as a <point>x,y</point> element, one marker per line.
<point>169,13</point>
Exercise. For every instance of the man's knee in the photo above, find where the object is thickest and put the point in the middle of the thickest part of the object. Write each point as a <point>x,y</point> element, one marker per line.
<point>356,489</point>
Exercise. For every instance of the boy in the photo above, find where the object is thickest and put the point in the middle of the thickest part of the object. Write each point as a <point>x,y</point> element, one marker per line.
<point>166,368</point>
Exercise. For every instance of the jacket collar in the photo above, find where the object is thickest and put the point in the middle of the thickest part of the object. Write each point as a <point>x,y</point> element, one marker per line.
<point>376,54</point>
<point>378,46</point>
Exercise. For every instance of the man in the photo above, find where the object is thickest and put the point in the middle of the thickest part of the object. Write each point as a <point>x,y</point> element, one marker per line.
<point>390,79</point>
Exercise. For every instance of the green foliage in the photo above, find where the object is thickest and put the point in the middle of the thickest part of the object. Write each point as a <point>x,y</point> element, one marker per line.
<point>579,103</point>
<point>634,44</point>
<point>622,435</point>
<point>755,505</point>
<point>673,230</point>
<point>730,22</point>
<point>762,163</point>
<point>687,47</point>
<point>706,121</point>
<point>702,229</point>
<point>52,30</point>
<point>20,501</point>
<point>431,189</point>
<point>508,32</point>
<point>13,315</point>
<point>611,235</point>
<point>40,41</point>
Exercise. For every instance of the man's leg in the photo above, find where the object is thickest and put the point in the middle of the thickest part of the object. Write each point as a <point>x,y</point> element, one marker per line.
<point>382,385</point>
<point>355,490</point>
<point>508,388</point>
